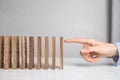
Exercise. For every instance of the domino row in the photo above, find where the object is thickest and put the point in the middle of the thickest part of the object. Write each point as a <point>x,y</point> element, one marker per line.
<point>10,52</point>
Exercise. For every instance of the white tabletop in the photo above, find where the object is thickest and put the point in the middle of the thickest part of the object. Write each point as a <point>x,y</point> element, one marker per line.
<point>74,69</point>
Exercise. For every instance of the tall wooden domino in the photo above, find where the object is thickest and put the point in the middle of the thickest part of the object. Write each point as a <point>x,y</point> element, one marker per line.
<point>1,51</point>
<point>53,52</point>
<point>15,52</point>
<point>39,50</point>
<point>8,54</point>
<point>46,51</point>
<point>61,52</point>
<point>23,52</point>
<point>31,52</point>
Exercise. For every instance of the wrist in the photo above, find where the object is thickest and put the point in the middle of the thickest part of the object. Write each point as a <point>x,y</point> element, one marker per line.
<point>115,50</point>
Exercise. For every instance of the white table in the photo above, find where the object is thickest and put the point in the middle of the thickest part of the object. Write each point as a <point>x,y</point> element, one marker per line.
<point>74,69</point>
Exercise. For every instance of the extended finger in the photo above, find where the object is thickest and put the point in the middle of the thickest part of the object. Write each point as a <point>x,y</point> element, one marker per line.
<point>79,40</point>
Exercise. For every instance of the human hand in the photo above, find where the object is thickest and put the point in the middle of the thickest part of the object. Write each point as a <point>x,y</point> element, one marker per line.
<point>94,50</point>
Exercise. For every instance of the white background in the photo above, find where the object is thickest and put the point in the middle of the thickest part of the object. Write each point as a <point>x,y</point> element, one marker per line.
<point>67,18</point>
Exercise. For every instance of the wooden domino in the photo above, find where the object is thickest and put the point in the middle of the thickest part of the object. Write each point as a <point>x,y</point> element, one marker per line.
<point>8,54</point>
<point>1,51</point>
<point>53,52</point>
<point>23,52</point>
<point>14,57</point>
<point>31,52</point>
<point>15,52</point>
<point>46,51</point>
<point>61,52</point>
<point>39,50</point>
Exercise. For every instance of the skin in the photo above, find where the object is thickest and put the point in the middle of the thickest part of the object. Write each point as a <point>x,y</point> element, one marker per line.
<point>94,50</point>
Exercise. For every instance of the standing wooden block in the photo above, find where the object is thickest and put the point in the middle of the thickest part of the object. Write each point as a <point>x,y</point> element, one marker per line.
<point>61,52</point>
<point>15,52</point>
<point>46,52</point>
<point>39,50</point>
<point>53,52</point>
<point>8,51</point>
<point>31,52</point>
<point>23,52</point>
<point>1,51</point>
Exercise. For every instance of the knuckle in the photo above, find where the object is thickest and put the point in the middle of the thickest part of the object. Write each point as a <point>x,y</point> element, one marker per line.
<point>91,40</point>
<point>81,51</point>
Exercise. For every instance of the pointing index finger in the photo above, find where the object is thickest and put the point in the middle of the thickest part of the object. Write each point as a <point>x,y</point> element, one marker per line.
<point>78,40</point>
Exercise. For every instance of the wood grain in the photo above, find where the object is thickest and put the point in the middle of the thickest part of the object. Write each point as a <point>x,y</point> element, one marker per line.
<point>53,52</point>
<point>1,51</point>
<point>39,50</point>
<point>31,52</point>
<point>23,52</point>
<point>8,54</point>
<point>46,52</point>
<point>61,52</point>
<point>15,52</point>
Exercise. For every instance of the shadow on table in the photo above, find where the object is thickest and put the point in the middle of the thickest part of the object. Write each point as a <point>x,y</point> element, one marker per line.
<point>91,64</point>
<point>49,67</point>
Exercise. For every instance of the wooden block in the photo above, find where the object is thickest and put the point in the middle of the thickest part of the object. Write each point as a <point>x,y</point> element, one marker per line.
<point>8,55</point>
<point>1,51</point>
<point>39,50</point>
<point>46,52</point>
<point>53,52</point>
<point>61,52</point>
<point>23,52</point>
<point>31,52</point>
<point>15,52</point>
